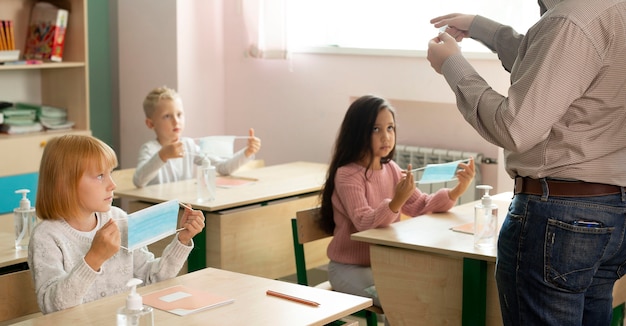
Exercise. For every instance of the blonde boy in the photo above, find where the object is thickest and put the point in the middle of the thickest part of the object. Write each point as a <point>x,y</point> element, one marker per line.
<point>171,157</point>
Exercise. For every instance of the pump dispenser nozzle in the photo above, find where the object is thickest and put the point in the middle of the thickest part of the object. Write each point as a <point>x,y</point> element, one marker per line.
<point>24,202</point>
<point>485,199</point>
<point>134,300</point>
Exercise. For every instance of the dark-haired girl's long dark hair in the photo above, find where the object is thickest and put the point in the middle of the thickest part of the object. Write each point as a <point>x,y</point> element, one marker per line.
<point>353,144</point>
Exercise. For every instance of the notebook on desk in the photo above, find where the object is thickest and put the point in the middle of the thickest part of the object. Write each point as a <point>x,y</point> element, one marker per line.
<point>467,228</point>
<point>182,300</point>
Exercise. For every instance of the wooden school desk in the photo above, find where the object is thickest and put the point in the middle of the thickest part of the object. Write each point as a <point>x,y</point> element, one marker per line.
<point>251,305</point>
<point>17,293</point>
<point>427,274</point>
<point>248,227</point>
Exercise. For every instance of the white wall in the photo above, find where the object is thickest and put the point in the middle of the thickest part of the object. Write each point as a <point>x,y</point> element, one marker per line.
<point>294,105</point>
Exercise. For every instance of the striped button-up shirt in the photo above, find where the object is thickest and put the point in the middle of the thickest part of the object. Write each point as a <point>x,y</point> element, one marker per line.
<point>565,112</point>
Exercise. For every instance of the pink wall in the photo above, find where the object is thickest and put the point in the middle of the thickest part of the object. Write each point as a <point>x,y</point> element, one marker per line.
<point>296,105</point>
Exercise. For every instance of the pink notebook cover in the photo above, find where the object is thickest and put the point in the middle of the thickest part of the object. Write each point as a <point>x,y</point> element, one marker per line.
<point>464,228</point>
<point>228,182</point>
<point>183,300</point>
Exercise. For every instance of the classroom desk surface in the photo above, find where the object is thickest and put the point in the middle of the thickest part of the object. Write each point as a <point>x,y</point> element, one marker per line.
<point>272,182</point>
<point>248,227</point>
<point>426,272</point>
<point>432,232</point>
<point>251,305</point>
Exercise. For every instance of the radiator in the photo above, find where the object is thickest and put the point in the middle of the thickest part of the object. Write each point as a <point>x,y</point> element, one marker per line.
<point>421,156</point>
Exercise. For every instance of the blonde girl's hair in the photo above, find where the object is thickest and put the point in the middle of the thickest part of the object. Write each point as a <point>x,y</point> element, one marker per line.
<point>65,159</point>
<point>155,96</point>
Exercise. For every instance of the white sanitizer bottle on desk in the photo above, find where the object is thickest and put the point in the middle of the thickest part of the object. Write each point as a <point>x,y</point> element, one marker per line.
<point>24,219</point>
<point>206,181</point>
<point>135,313</point>
<point>485,221</point>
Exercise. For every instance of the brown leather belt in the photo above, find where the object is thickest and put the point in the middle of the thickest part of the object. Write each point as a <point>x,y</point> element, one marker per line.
<point>525,185</point>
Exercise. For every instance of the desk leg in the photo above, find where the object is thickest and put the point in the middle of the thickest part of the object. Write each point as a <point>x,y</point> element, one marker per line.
<point>474,292</point>
<point>197,257</point>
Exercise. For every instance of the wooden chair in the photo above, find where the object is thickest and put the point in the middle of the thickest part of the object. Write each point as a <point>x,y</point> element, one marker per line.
<point>305,230</point>
<point>254,164</point>
<point>18,300</point>
<point>123,179</point>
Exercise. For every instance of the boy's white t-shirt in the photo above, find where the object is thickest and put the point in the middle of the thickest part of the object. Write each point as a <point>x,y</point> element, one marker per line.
<point>152,170</point>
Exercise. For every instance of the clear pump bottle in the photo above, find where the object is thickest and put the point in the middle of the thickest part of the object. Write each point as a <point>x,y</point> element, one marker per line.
<point>206,181</point>
<point>135,313</point>
<point>24,219</point>
<point>485,221</point>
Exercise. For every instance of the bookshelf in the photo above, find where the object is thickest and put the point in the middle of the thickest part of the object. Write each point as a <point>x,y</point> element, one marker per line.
<point>60,84</point>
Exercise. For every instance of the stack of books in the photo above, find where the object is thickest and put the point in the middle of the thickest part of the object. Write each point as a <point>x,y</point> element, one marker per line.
<point>54,118</point>
<point>22,118</point>
<point>46,33</point>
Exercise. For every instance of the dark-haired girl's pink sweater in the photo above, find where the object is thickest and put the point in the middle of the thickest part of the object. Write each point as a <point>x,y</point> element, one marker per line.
<point>361,202</point>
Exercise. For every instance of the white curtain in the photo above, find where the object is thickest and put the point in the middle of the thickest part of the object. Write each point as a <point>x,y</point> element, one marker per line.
<point>265,22</point>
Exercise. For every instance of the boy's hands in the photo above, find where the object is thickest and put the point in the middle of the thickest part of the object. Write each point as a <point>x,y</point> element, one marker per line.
<point>193,222</point>
<point>173,150</point>
<point>465,174</point>
<point>404,189</point>
<point>254,144</point>
<point>105,244</point>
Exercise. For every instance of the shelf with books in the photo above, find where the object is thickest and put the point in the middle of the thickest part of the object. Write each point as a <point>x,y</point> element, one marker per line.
<point>62,84</point>
<point>45,65</point>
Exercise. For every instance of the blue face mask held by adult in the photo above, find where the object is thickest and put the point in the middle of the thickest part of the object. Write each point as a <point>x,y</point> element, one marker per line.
<point>149,225</point>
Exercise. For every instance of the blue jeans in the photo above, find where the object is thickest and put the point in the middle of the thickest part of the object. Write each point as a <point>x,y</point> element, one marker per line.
<point>558,258</point>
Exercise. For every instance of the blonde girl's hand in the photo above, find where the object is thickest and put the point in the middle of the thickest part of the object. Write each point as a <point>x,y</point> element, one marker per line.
<point>254,144</point>
<point>173,150</point>
<point>404,189</point>
<point>465,174</point>
<point>105,244</point>
<point>458,24</point>
<point>192,223</point>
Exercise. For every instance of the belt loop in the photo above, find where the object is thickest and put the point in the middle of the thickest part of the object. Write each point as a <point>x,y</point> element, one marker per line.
<point>623,194</point>
<point>544,187</point>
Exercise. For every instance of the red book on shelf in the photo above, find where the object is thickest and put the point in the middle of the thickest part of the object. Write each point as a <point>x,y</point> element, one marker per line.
<point>46,33</point>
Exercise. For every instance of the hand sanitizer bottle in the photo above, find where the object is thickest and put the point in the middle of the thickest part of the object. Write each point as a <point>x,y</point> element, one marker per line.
<point>485,221</point>
<point>135,313</point>
<point>24,219</point>
<point>206,181</point>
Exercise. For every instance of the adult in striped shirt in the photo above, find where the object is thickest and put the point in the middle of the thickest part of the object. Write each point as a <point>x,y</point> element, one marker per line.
<point>562,126</point>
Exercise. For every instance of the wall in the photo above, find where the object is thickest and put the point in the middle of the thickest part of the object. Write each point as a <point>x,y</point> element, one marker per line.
<point>297,105</point>
<point>173,43</point>
<point>294,105</point>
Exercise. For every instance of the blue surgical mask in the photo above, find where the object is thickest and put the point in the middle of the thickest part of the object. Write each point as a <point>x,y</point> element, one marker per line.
<point>149,225</point>
<point>434,173</point>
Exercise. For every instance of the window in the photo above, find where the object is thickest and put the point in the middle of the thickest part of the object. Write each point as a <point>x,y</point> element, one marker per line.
<point>391,24</point>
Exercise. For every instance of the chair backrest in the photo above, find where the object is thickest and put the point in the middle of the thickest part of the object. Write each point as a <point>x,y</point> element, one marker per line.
<point>123,179</point>
<point>254,164</point>
<point>308,226</point>
<point>305,229</point>
<point>18,296</point>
